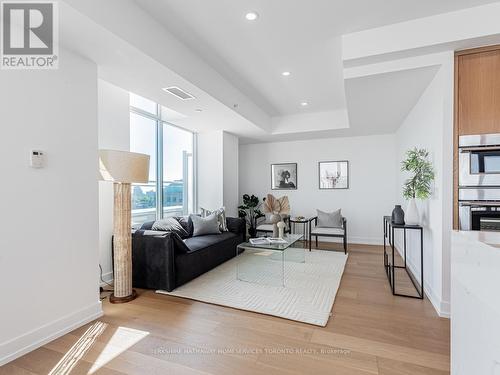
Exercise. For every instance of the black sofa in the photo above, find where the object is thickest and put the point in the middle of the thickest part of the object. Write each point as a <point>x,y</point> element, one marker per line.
<point>164,260</point>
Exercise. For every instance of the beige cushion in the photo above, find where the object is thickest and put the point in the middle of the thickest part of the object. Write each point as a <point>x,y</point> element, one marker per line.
<point>221,217</point>
<point>265,227</point>
<point>205,225</point>
<point>329,219</point>
<point>328,231</point>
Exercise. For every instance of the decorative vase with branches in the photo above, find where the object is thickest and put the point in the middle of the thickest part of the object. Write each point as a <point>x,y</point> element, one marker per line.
<point>418,186</point>
<point>277,208</point>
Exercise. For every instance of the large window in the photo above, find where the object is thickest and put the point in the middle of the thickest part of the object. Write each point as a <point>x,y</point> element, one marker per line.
<point>170,190</point>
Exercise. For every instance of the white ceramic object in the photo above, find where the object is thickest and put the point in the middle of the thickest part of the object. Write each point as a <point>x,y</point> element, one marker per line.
<point>275,219</point>
<point>411,215</point>
<point>281,229</point>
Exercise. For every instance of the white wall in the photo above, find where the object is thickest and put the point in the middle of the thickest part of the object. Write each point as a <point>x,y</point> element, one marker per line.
<point>230,174</point>
<point>218,171</point>
<point>114,134</point>
<point>210,169</point>
<point>429,125</point>
<point>372,179</point>
<point>49,237</point>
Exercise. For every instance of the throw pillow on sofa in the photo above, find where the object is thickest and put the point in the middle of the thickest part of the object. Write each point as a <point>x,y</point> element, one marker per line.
<point>170,224</point>
<point>221,217</point>
<point>186,222</point>
<point>205,225</point>
<point>329,219</point>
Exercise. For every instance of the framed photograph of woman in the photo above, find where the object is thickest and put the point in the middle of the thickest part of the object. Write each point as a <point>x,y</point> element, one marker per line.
<point>284,176</point>
<point>333,174</point>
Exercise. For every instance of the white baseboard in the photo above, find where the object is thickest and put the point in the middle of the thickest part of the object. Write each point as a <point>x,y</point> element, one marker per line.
<point>445,310</point>
<point>353,239</point>
<point>442,307</point>
<point>365,240</point>
<point>108,278</point>
<point>38,337</point>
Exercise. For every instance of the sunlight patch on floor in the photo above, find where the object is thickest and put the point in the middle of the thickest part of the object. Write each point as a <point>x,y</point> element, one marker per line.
<point>122,339</point>
<point>78,350</point>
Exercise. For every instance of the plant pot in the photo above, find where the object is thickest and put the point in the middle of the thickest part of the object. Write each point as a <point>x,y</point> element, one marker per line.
<point>398,215</point>
<point>252,232</point>
<point>412,217</point>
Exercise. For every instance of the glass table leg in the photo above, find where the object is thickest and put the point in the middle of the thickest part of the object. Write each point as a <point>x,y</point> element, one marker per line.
<point>283,269</point>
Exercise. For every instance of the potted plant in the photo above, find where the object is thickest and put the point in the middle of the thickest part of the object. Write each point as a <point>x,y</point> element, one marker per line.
<point>419,184</point>
<point>250,211</point>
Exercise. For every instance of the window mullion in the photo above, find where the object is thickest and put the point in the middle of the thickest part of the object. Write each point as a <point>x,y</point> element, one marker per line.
<point>159,169</point>
<point>189,166</point>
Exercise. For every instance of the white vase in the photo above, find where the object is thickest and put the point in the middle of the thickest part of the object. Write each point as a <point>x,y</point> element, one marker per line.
<point>275,219</point>
<point>281,229</point>
<point>411,215</point>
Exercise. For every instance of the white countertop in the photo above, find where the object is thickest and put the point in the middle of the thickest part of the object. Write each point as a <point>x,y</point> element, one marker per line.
<point>475,303</point>
<point>489,238</point>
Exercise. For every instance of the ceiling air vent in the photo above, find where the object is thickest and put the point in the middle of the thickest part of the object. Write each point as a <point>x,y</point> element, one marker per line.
<point>180,93</point>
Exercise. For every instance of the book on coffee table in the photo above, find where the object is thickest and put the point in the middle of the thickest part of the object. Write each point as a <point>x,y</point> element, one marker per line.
<point>266,241</point>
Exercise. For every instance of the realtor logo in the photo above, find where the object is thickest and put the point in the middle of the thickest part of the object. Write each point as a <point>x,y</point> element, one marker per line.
<point>29,37</point>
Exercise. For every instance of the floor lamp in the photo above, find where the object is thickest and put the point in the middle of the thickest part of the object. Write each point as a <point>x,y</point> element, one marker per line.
<point>123,168</point>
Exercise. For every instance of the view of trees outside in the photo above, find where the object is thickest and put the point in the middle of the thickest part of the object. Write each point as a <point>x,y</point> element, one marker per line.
<point>143,196</point>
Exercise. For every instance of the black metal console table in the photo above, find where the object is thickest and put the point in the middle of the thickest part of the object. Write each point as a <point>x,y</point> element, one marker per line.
<point>389,262</point>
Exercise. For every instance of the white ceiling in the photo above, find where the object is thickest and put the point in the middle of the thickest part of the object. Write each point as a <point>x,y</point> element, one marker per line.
<point>379,103</point>
<point>121,63</point>
<point>376,104</point>
<point>233,67</point>
<point>299,36</point>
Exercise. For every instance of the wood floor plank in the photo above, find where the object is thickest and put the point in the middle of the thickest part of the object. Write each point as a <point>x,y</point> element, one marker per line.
<point>370,332</point>
<point>11,369</point>
<point>384,350</point>
<point>392,367</point>
<point>111,356</point>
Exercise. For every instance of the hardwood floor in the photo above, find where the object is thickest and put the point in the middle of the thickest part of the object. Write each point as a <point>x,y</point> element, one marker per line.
<point>370,332</point>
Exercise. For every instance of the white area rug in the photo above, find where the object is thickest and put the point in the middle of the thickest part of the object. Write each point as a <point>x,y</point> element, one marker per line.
<point>308,295</point>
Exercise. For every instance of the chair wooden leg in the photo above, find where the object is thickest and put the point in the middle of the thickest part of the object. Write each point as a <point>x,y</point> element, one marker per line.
<point>316,242</point>
<point>345,245</point>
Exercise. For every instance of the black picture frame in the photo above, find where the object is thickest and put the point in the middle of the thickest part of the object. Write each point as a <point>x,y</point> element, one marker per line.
<point>321,184</point>
<point>293,176</point>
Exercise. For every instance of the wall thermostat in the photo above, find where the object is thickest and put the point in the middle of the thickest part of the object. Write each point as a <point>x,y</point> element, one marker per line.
<point>37,159</point>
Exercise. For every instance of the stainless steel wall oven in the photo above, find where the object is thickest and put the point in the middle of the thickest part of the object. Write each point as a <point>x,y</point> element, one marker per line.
<point>479,160</point>
<point>479,182</point>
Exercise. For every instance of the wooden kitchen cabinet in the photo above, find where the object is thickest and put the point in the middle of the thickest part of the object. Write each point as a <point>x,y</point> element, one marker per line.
<point>477,101</point>
<point>478,91</point>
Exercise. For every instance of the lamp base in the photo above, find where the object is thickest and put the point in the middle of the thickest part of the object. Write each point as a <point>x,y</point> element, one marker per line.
<point>126,299</point>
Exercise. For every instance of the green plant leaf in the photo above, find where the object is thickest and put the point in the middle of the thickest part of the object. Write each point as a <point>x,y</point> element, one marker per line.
<point>422,174</point>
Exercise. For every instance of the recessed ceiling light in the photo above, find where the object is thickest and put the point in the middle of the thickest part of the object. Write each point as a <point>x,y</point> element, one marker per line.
<point>251,16</point>
<point>198,110</point>
<point>304,104</point>
<point>286,74</point>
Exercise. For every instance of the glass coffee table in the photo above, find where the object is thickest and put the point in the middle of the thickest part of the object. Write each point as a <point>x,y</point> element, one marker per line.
<point>268,263</point>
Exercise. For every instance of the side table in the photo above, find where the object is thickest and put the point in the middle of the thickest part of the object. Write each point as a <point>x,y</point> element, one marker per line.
<point>389,263</point>
<point>305,227</point>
